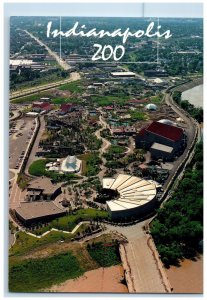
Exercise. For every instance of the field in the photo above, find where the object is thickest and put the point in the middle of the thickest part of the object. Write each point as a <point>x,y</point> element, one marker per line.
<point>109,100</point>
<point>74,87</point>
<point>36,264</point>
<point>34,274</point>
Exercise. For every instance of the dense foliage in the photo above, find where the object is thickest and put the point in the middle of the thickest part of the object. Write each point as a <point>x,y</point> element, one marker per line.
<point>105,255</point>
<point>177,229</point>
<point>195,112</point>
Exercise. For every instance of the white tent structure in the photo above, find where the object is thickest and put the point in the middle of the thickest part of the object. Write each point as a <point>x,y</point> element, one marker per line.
<point>151,107</point>
<point>71,164</point>
<point>167,122</point>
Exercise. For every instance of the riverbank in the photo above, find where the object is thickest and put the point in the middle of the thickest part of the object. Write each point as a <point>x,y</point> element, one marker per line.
<point>101,280</point>
<point>188,278</point>
<point>189,85</point>
<point>194,95</point>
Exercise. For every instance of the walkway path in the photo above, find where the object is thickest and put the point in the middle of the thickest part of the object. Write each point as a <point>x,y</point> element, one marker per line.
<point>105,145</point>
<point>147,273</point>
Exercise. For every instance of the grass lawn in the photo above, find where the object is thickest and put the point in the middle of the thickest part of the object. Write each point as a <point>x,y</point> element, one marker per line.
<point>36,264</point>
<point>90,164</point>
<point>25,243</point>
<point>137,115</point>
<point>109,100</point>
<point>156,99</point>
<point>37,168</point>
<point>74,87</point>
<point>70,221</point>
<point>31,275</point>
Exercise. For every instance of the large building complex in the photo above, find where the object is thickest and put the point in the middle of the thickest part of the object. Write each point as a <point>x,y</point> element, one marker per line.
<point>135,196</point>
<point>162,135</point>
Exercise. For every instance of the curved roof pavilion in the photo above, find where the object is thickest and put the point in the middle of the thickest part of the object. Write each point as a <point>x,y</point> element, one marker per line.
<point>133,192</point>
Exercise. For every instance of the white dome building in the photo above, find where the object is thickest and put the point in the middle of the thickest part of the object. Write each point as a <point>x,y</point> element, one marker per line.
<point>136,196</point>
<point>71,164</point>
<point>167,122</point>
<point>151,107</point>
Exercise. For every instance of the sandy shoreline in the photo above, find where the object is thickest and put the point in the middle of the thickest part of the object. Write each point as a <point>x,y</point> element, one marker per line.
<point>188,278</point>
<point>102,280</point>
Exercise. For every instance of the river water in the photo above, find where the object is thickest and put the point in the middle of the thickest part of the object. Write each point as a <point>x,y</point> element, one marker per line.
<point>194,96</point>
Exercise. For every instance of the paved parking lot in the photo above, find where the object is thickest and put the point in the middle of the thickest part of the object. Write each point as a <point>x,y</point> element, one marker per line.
<point>19,138</point>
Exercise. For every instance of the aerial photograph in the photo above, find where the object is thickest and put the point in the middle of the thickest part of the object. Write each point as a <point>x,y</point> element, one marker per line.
<point>106,153</point>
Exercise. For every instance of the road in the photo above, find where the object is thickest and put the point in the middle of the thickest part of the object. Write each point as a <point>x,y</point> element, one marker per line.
<point>35,147</point>
<point>63,64</point>
<point>33,90</point>
<point>190,132</point>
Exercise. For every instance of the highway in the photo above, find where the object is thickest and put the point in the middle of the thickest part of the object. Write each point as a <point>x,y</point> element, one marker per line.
<point>63,64</point>
<point>33,90</point>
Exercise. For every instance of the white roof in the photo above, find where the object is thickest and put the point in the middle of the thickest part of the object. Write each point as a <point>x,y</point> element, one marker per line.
<point>151,106</point>
<point>161,147</point>
<point>20,62</point>
<point>134,191</point>
<point>32,114</point>
<point>167,122</point>
<point>123,74</point>
<point>71,164</point>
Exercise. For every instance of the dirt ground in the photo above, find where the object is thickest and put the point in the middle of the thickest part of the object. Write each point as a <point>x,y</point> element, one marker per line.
<point>102,280</point>
<point>188,278</point>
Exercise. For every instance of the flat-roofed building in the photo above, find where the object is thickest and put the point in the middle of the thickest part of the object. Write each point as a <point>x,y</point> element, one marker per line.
<point>161,151</point>
<point>123,74</point>
<point>33,212</point>
<point>42,189</point>
<point>162,134</point>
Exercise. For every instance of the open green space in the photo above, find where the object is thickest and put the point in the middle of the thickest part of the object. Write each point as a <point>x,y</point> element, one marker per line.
<point>74,87</point>
<point>91,163</point>
<point>31,275</point>
<point>156,99</point>
<point>62,100</point>
<point>37,168</point>
<point>26,243</point>
<point>69,222</point>
<point>137,115</point>
<point>110,99</point>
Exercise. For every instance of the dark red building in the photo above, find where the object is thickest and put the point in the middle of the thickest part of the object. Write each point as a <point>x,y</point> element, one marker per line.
<point>163,134</point>
<point>41,106</point>
<point>66,107</point>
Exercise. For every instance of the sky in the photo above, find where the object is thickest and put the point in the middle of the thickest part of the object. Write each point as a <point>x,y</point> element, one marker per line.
<point>188,10</point>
